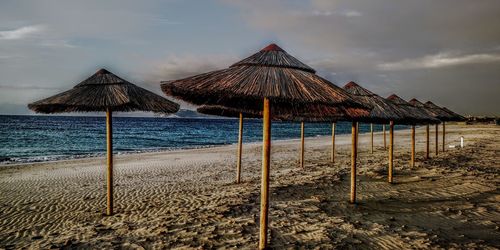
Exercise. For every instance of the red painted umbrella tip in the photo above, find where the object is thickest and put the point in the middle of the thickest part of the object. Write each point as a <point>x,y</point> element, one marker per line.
<point>414,100</point>
<point>393,96</point>
<point>351,84</point>
<point>102,72</point>
<point>272,47</point>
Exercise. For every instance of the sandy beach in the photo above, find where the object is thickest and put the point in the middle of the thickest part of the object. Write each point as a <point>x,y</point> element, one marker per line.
<point>187,198</point>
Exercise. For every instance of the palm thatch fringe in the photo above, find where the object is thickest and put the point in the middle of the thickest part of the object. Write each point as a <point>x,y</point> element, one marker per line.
<point>438,112</point>
<point>274,56</point>
<point>413,114</point>
<point>313,113</point>
<point>266,83</point>
<point>456,117</point>
<point>383,111</point>
<point>101,91</point>
<point>270,73</point>
<point>107,92</point>
<point>421,106</point>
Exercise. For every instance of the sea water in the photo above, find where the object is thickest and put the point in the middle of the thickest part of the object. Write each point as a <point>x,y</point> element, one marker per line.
<point>45,138</point>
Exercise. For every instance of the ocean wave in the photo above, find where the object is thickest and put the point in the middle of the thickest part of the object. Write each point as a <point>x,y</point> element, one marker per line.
<point>49,158</point>
<point>26,139</point>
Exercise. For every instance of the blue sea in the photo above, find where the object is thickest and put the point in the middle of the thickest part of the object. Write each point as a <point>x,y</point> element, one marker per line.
<point>45,138</point>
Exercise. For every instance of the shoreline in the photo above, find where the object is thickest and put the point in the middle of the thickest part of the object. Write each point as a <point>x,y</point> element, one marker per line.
<point>56,158</point>
<point>102,156</point>
<point>47,147</point>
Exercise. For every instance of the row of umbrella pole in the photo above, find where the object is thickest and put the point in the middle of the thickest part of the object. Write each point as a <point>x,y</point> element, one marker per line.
<point>354,152</point>
<point>271,84</point>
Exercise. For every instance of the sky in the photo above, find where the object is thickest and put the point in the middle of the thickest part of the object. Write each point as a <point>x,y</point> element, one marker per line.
<point>446,51</point>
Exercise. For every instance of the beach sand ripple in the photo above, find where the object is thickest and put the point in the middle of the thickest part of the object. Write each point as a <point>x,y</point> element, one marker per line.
<point>187,198</point>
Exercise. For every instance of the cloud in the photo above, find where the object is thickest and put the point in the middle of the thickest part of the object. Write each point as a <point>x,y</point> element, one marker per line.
<point>351,13</point>
<point>179,66</point>
<point>346,13</point>
<point>373,41</point>
<point>57,43</point>
<point>3,57</point>
<point>21,33</point>
<point>440,60</point>
<point>322,13</point>
<point>163,20</point>
<point>149,41</point>
<point>26,87</point>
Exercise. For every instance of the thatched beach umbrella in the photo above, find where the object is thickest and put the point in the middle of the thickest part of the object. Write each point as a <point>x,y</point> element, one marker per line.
<point>271,83</point>
<point>421,106</point>
<point>443,116</point>
<point>105,92</point>
<point>383,112</point>
<point>414,116</point>
<point>455,117</point>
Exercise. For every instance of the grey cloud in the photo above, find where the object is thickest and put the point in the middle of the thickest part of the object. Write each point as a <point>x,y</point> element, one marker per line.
<point>392,29</point>
<point>440,60</point>
<point>49,46</point>
<point>407,47</point>
<point>351,13</point>
<point>57,43</point>
<point>179,66</point>
<point>346,13</point>
<point>27,87</point>
<point>387,46</point>
<point>21,33</point>
<point>82,18</point>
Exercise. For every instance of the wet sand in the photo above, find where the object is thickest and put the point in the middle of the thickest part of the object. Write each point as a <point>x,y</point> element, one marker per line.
<point>188,199</point>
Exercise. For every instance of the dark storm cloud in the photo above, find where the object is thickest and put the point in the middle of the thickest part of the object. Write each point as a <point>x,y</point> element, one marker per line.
<point>446,50</point>
<point>176,67</point>
<point>26,87</point>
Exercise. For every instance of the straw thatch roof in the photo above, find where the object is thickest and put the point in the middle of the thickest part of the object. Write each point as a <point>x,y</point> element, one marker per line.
<point>421,106</point>
<point>225,111</point>
<point>383,111</point>
<point>456,117</point>
<point>413,115</point>
<point>313,113</point>
<point>438,112</point>
<point>291,86</point>
<point>101,91</point>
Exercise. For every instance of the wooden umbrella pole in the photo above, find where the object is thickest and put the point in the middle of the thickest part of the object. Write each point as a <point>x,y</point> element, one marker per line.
<point>385,143</point>
<point>354,152</point>
<point>357,134</point>
<point>264,191</point>
<point>371,132</point>
<point>413,145</point>
<point>109,148</point>
<point>302,144</point>
<point>437,135</point>
<point>240,147</point>
<point>333,142</point>
<point>427,142</point>
<point>391,150</point>
<point>444,135</point>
